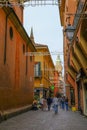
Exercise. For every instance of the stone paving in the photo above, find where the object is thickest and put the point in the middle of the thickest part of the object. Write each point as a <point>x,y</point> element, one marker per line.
<point>46,120</point>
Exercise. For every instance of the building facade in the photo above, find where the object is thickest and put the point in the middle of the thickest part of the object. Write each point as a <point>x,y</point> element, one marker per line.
<point>16,68</point>
<point>73,19</point>
<point>44,71</point>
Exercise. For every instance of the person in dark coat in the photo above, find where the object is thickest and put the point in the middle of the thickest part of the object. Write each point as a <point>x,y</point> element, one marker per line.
<point>49,101</point>
<point>66,103</point>
<point>63,102</point>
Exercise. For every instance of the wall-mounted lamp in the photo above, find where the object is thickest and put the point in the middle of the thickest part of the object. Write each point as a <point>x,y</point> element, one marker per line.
<point>69,32</point>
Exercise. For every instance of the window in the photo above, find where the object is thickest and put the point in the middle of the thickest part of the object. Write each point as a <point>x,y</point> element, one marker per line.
<point>31,58</point>
<point>23,49</point>
<point>66,9</point>
<point>11,33</point>
<point>44,68</point>
<point>26,60</point>
<point>37,69</point>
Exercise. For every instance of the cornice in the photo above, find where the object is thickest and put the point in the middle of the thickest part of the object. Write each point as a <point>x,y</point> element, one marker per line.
<point>61,10</point>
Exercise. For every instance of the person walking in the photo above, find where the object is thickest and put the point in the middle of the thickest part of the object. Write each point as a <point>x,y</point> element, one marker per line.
<point>63,102</point>
<point>55,104</point>
<point>42,103</point>
<point>60,102</point>
<point>45,104</point>
<point>49,101</point>
<point>66,103</point>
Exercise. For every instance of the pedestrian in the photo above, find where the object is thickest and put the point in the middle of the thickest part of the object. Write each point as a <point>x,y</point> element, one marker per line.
<point>49,102</point>
<point>45,104</point>
<point>34,105</point>
<point>55,104</point>
<point>66,103</point>
<point>60,102</point>
<point>41,102</point>
<point>63,102</point>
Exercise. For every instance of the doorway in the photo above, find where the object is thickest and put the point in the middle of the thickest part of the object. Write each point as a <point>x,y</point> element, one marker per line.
<point>72,96</point>
<point>85,97</point>
<point>79,87</point>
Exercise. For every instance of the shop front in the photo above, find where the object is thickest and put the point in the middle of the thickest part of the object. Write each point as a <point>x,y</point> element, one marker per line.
<point>41,92</point>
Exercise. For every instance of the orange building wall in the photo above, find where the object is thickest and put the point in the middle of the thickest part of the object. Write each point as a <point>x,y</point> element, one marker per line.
<point>16,87</point>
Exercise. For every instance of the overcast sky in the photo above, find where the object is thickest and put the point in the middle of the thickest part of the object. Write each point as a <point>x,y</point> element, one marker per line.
<point>46,25</point>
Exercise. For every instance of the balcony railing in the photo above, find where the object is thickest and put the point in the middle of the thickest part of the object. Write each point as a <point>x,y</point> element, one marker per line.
<point>78,12</point>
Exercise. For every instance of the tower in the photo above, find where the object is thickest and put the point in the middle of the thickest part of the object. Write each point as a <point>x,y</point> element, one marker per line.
<point>32,36</point>
<point>58,66</point>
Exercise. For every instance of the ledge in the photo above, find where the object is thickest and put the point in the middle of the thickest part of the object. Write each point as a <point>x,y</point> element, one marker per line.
<point>13,112</point>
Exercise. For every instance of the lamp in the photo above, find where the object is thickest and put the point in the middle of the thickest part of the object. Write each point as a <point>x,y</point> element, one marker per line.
<point>69,32</point>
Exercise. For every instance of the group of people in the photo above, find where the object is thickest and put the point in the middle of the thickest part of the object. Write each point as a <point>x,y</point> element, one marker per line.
<point>42,104</point>
<point>51,102</point>
<point>63,102</point>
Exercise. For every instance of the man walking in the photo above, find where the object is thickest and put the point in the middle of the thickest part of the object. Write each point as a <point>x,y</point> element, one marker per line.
<point>66,103</point>
<point>49,101</point>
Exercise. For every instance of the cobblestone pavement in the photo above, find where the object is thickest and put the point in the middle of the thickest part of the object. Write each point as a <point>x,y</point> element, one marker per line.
<point>46,120</point>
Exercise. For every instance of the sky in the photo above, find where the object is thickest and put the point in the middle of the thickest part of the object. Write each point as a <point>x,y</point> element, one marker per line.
<point>45,21</point>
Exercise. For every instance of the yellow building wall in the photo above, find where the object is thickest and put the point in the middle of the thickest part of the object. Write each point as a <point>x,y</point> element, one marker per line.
<point>46,66</point>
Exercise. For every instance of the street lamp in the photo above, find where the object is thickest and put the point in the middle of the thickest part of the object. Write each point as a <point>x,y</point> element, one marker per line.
<point>69,32</point>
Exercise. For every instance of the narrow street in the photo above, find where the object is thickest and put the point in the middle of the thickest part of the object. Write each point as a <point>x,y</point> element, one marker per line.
<point>46,120</point>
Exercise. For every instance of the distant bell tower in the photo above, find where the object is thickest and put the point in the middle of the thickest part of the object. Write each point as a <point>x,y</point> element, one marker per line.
<point>58,66</point>
<point>32,36</point>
